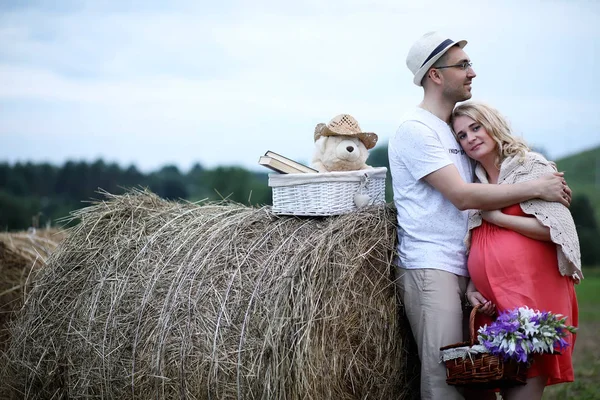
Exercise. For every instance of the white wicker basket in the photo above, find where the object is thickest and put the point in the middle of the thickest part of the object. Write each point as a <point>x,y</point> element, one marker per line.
<point>330,193</point>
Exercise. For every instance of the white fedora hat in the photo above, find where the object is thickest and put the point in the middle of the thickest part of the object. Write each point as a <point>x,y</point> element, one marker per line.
<point>426,51</point>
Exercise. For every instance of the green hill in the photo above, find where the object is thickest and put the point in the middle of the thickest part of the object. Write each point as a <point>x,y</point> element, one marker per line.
<point>582,171</point>
<point>582,168</point>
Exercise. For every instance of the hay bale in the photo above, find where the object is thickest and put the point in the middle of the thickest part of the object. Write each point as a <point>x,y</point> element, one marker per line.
<point>21,255</point>
<point>148,298</point>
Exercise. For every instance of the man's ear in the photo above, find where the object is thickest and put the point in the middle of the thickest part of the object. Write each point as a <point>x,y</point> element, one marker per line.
<point>435,75</point>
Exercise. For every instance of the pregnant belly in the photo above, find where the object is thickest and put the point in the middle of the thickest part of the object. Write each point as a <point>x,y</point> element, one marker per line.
<point>501,255</point>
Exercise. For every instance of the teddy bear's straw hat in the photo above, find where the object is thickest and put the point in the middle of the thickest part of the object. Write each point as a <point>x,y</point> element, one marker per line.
<point>345,125</point>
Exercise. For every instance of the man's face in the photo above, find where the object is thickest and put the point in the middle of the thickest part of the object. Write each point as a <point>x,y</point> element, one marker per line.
<point>457,81</point>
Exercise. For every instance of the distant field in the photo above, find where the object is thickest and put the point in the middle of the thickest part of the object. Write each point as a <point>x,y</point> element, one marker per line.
<point>582,171</point>
<point>583,168</point>
<point>592,192</point>
<point>587,348</point>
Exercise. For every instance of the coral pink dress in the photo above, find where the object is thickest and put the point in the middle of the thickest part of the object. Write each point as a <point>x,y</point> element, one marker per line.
<point>513,270</point>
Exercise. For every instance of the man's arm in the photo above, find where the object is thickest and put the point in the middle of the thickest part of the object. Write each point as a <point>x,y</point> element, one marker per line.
<point>464,196</point>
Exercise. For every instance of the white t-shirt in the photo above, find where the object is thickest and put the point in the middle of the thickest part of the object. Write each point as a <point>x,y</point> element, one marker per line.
<point>431,229</point>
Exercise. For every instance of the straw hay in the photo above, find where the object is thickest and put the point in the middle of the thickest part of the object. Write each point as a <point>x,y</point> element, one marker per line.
<point>148,298</point>
<point>21,255</point>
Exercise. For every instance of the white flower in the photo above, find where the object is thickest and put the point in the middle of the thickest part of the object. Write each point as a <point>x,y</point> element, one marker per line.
<point>530,328</point>
<point>538,346</point>
<point>536,332</point>
<point>526,312</point>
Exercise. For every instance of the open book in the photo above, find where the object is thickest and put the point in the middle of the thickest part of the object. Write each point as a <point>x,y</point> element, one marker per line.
<point>284,165</point>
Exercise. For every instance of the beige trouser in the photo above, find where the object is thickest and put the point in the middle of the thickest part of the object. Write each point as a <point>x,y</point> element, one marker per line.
<point>433,303</point>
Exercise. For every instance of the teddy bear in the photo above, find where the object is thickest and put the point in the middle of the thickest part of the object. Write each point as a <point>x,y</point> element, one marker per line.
<point>341,145</point>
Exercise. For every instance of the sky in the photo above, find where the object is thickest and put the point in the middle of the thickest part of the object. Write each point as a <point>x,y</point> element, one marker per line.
<point>154,83</point>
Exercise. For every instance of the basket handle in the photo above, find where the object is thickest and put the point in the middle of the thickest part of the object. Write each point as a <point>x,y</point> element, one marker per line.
<point>472,323</point>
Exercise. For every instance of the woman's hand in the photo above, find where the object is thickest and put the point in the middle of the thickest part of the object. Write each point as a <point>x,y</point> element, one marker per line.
<point>493,217</point>
<point>526,226</point>
<point>476,298</point>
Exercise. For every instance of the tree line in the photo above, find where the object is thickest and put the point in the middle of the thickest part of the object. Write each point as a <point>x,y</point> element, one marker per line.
<point>39,194</point>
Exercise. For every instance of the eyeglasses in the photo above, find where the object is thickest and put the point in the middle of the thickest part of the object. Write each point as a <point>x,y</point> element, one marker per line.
<point>463,65</point>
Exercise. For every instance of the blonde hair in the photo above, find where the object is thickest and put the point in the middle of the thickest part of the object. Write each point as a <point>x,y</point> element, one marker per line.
<point>496,126</point>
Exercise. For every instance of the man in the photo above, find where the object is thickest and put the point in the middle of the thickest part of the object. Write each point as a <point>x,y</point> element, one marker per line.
<point>432,182</point>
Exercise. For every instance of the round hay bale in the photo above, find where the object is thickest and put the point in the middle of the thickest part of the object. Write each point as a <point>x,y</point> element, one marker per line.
<point>21,255</point>
<point>148,298</point>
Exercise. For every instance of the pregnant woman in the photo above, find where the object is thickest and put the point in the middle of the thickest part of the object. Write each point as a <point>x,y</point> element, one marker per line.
<point>526,254</point>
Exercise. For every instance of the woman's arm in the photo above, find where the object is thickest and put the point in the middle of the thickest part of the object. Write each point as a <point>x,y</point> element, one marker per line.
<point>526,226</point>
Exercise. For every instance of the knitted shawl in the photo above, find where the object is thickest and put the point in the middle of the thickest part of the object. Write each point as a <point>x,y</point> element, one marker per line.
<point>553,215</point>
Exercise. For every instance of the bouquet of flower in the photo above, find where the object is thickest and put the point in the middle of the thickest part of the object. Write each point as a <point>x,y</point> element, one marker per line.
<point>518,333</point>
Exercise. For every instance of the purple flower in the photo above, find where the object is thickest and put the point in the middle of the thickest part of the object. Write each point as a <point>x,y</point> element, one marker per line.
<point>562,344</point>
<point>545,315</point>
<point>521,356</point>
<point>517,333</point>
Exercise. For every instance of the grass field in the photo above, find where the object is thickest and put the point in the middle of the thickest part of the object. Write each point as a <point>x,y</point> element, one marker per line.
<point>586,357</point>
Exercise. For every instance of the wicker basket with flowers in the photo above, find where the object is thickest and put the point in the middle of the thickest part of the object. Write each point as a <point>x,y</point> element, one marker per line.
<point>501,354</point>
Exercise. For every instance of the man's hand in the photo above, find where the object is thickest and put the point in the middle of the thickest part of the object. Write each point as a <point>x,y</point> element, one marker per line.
<point>553,187</point>
<point>476,298</point>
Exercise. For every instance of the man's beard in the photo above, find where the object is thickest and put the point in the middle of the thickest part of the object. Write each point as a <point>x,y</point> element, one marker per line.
<point>457,94</point>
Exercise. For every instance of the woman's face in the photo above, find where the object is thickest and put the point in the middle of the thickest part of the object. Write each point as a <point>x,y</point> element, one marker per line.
<point>473,138</point>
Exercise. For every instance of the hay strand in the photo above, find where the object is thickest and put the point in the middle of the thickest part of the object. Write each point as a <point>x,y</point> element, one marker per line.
<point>21,255</point>
<point>148,298</point>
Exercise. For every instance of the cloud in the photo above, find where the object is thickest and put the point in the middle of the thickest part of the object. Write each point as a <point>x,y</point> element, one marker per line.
<point>222,83</point>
